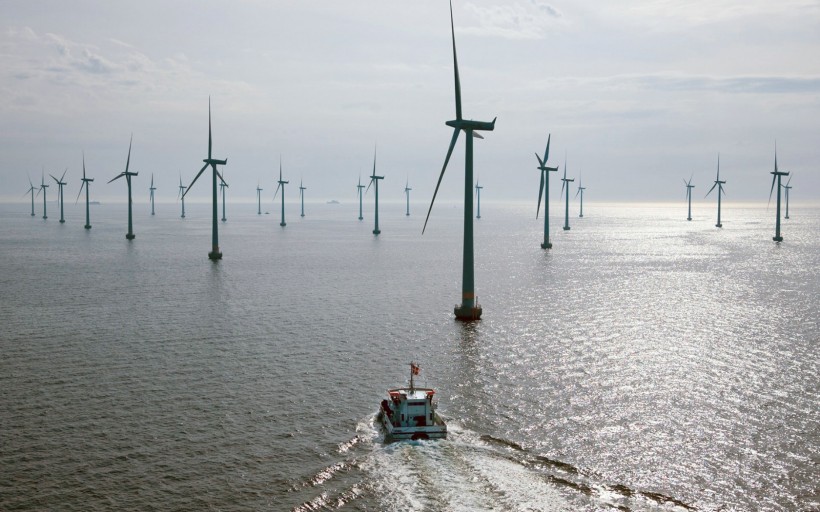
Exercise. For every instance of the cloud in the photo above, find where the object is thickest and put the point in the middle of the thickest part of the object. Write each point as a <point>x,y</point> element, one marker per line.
<point>531,20</point>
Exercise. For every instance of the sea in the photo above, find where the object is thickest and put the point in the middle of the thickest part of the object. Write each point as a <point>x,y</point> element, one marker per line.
<point>645,362</point>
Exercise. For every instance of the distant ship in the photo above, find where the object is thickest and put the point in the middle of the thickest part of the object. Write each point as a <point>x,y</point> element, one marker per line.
<point>94,202</point>
<point>410,413</point>
<point>333,201</point>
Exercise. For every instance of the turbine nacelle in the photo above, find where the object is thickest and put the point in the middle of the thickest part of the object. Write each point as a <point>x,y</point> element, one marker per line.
<point>471,125</point>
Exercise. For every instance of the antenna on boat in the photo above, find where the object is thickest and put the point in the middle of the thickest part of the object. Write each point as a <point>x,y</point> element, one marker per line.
<point>414,370</point>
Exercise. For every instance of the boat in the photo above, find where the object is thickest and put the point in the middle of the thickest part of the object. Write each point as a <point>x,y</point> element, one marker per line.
<point>410,413</point>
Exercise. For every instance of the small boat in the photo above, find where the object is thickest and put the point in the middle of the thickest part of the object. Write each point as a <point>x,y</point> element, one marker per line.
<point>409,413</point>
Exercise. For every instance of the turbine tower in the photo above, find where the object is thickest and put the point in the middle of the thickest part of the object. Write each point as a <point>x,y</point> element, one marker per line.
<point>359,188</point>
<point>181,195</point>
<point>60,184</point>
<point>152,188</point>
<point>302,196</point>
<point>581,192</point>
<point>222,187</point>
<point>375,179</point>
<point>478,199</point>
<point>282,185</point>
<point>32,188</point>
<point>544,189</point>
<point>719,184</point>
<point>85,183</point>
<point>407,190</point>
<point>776,175</point>
<point>565,184</point>
<point>130,235</point>
<point>258,199</point>
<point>469,309</point>
<point>786,188</point>
<point>43,188</point>
<point>689,188</point>
<point>215,253</point>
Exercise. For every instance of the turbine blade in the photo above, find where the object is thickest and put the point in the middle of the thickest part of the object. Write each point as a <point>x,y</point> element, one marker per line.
<point>579,189</point>
<point>540,162</point>
<point>118,176</point>
<point>444,167</point>
<point>221,178</point>
<point>84,166</point>
<point>547,151</point>
<point>277,191</point>
<point>774,177</point>
<point>540,192</point>
<point>477,135</point>
<point>55,179</point>
<point>371,182</point>
<point>63,176</point>
<point>85,184</point>
<point>195,178</point>
<point>210,144</point>
<point>710,190</point>
<point>128,162</point>
<point>455,68</point>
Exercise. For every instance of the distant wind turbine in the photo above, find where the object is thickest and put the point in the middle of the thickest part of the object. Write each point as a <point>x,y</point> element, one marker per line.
<point>222,187</point>
<point>302,196</point>
<point>566,181</point>
<point>181,195</point>
<point>544,190</point>
<point>31,190</point>
<point>359,192</point>
<point>215,253</point>
<point>719,184</point>
<point>581,192</point>
<point>689,187</point>
<point>776,175</point>
<point>375,179</point>
<point>85,183</point>
<point>130,235</point>
<point>43,188</point>
<point>786,188</point>
<point>469,308</point>
<point>407,190</point>
<point>282,186</point>
<point>478,199</point>
<point>152,188</point>
<point>60,184</point>
<point>258,199</point>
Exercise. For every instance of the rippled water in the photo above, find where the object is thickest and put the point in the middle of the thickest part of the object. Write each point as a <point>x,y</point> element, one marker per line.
<point>644,362</point>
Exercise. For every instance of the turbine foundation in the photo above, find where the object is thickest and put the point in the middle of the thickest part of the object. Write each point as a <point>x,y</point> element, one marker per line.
<point>467,313</point>
<point>777,238</point>
<point>546,245</point>
<point>130,236</point>
<point>718,225</point>
<point>215,254</point>
<point>377,231</point>
<point>62,221</point>
<point>87,226</point>
<point>283,224</point>
<point>566,228</point>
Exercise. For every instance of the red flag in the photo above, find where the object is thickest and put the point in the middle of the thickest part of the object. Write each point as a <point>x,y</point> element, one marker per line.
<point>415,368</point>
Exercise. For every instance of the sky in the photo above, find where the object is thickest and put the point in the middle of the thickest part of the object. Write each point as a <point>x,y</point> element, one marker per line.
<point>638,96</point>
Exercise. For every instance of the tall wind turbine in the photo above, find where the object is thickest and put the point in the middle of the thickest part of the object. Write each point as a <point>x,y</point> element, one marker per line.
<point>302,196</point>
<point>181,195</point>
<point>359,188</point>
<point>375,179</point>
<point>689,188</point>
<point>31,190</point>
<point>407,190</point>
<point>222,187</point>
<point>544,190</point>
<point>152,188</point>
<point>478,199</point>
<point>565,184</point>
<point>43,188</point>
<point>282,186</point>
<point>60,184</point>
<point>786,188</point>
<point>581,192</point>
<point>258,199</point>
<point>776,175</point>
<point>469,308</point>
<point>130,235</point>
<point>719,184</point>
<point>85,183</point>
<point>215,253</point>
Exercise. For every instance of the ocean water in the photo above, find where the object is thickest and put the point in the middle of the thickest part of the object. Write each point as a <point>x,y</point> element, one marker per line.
<point>644,363</point>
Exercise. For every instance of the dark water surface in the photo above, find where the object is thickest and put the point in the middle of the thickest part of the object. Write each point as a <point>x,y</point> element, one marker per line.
<point>645,362</point>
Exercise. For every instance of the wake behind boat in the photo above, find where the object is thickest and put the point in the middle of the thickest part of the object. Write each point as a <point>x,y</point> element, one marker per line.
<point>409,413</point>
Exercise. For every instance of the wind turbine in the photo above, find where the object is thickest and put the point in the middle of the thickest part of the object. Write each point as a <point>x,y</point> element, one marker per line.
<point>222,187</point>
<point>302,196</point>
<point>719,184</point>
<point>43,188</point>
<point>282,185</point>
<point>130,235</point>
<point>565,184</point>
<point>258,199</point>
<point>469,308</point>
<point>215,253</point>
<point>689,188</point>
<point>581,192</point>
<point>181,195</point>
<point>478,199</point>
<point>375,179</point>
<point>776,175</point>
<point>359,188</point>
<point>407,190</point>
<point>786,187</point>
<point>31,190</point>
<point>85,183</point>
<point>152,189</point>
<point>544,189</point>
<point>60,184</point>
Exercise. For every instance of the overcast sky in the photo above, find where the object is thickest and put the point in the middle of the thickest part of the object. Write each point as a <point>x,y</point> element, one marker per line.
<point>638,95</point>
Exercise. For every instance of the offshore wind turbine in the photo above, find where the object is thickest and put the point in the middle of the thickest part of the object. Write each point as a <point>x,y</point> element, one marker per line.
<point>581,192</point>
<point>544,190</point>
<point>359,188</point>
<point>215,253</point>
<point>469,309</point>
<point>258,199</point>
<point>181,195</point>
<point>407,190</point>
<point>375,179</point>
<point>478,199</point>
<point>222,187</point>
<point>689,188</point>
<point>565,183</point>
<point>786,188</point>
<point>151,189</point>
<point>719,184</point>
<point>60,184</point>
<point>31,190</point>
<point>85,183</point>
<point>776,175</point>
<point>43,188</point>
<point>302,196</point>
<point>130,235</point>
<point>282,185</point>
